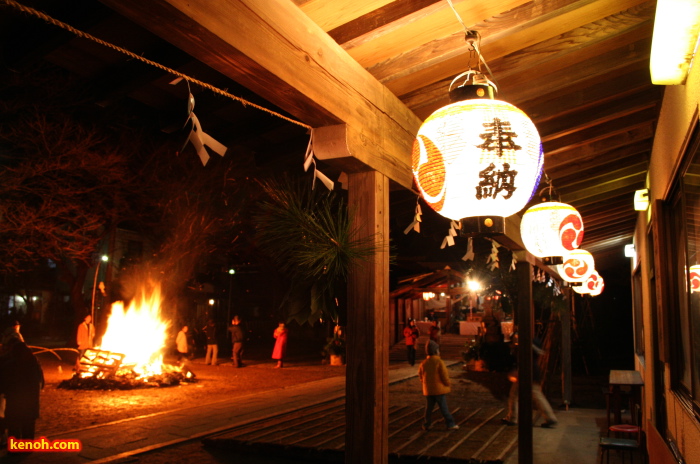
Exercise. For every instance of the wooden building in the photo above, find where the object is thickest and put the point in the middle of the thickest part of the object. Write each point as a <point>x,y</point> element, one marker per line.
<point>364,74</point>
<point>666,307</point>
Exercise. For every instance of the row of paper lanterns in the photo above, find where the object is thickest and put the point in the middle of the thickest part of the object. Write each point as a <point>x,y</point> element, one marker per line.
<point>481,157</point>
<point>553,229</point>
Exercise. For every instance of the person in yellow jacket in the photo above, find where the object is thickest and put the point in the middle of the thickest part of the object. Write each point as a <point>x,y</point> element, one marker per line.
<point>436,384</point>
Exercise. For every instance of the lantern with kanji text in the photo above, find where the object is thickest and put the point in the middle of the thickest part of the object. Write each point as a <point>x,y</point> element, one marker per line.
<point>477,157</point>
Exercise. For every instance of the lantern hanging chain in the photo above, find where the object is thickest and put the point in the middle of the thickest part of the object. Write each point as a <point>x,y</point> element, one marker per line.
<point>473,39</point>
<point>85,35</point>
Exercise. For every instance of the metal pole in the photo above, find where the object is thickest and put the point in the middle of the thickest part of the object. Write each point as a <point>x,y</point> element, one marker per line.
<point>231,272</point>
<point>94,287</point>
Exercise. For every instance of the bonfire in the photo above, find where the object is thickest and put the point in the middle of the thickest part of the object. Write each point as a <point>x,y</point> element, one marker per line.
<point>131,352</point>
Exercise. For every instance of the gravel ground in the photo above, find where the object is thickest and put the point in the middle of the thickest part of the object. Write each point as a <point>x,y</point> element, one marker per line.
<point>64,410</point>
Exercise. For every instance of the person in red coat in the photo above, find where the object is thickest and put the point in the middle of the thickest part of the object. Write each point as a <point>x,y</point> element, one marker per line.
<point>411,334</point>
<point>280,348</point>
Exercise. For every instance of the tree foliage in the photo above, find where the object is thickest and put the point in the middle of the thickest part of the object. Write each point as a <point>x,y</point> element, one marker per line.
<point>63,183</point>
<point>309,235</point>
<point>71,173</point>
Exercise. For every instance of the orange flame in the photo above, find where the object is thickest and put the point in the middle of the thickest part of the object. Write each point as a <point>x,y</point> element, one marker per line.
<point>139,333</point>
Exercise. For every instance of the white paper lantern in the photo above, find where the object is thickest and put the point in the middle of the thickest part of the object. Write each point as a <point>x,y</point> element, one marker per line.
<point>477,157</point>
<point>694,275</point>
<point>577,266</point>
<point>598,284</point>
<point>593,285</point>
<point>551,229</point>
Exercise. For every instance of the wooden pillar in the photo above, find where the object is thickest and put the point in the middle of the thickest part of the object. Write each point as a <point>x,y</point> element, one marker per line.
<point>367,381</point>
<point>525,327</point>
<point>566,350</point>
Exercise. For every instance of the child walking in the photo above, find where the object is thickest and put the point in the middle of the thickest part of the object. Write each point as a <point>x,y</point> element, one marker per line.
<point>436,385</point>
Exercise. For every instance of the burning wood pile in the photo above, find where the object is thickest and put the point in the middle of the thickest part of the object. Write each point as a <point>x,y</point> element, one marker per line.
<point>131,353</point>
<point>105,370</point>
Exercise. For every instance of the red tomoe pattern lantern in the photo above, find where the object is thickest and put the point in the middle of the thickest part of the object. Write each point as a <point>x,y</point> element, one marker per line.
<point>593,285</point>
<point>694,274</point>
<point>577,266</point>
<point>477,157</point>
<point>551,229</point>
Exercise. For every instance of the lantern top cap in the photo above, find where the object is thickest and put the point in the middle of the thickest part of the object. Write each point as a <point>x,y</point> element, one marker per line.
<point>473,77</point>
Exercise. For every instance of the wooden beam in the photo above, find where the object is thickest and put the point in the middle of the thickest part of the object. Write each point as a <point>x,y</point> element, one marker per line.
<point>636,152</point>
<point>603,178</point>
<point>603,190</point>
<point>500,45</point>
<point>596,91</point>
<point>334,13</point>
<point>381,20</point>
<point>519,89</point>
<point>525,322</point>
<point>367,381</point>
<point>502,26</point>
<point>599,114</point>
<point>593,149</point>
<point>274,49</point>
<point>440,22</point>
<point>605,130</point>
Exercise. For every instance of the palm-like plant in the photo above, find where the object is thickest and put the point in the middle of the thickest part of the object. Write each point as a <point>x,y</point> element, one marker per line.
<point>309,235</point>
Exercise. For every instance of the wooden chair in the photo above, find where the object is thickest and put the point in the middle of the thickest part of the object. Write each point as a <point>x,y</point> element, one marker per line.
<point>633,444</point>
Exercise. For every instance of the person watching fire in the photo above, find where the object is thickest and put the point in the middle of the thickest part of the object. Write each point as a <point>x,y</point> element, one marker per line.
<point>85,338</point>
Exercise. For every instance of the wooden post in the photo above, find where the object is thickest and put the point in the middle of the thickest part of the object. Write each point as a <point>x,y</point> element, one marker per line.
<point>566,350</point>
<point>367,382</point>
<point>525,327</point>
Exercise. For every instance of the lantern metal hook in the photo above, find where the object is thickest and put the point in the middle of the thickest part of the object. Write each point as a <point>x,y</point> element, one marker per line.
<point>473,77</point>
<point>549,188</point>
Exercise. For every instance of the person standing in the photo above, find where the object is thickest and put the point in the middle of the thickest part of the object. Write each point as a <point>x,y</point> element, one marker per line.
<point>237,339</point>
<point>539,400</point>
<point>85,338</point>
<point>411,334</point>
<point>16,328</point>
<point>21,381</point>
<point>280,348</point>
<point>436,385</point>
<point>182,344</point>
<point>433,341</point>
<point>212,346</point>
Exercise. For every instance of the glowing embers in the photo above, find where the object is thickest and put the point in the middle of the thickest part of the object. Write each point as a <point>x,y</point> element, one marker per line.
<point>477,157</point>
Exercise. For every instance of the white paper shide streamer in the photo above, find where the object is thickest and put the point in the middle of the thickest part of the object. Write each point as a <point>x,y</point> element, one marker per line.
<point>415,225</point>
<point>451,234</point>
<point>309,160</point>
<point>199,138</point>
<point>492,260</point>
<point>469,255</point>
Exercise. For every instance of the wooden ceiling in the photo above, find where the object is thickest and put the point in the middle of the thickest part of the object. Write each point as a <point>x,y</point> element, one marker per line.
<point>579,69</point>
